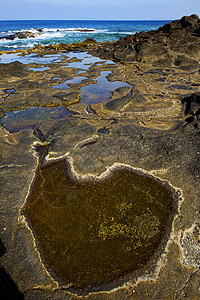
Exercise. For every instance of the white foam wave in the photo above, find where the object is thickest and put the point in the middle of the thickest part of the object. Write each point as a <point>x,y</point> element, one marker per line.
<point>37,36</point>
<point>56,29</point>
<point>3,41</point>
<point>121,32</point>
<point>48,35</point>
<point>12,42</point>
<point>69,29</point>
<point>17,46</point>
<point>51,33</point>
<point>44,36</point>
<point>10,32</point>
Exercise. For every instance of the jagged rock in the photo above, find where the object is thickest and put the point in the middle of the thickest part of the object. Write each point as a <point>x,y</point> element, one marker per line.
<point>160,47</point>
<point>25,35</point>
<point>192,104</point>
<point>19,35</point>
<point>190,21</point>
<point>157,47</point>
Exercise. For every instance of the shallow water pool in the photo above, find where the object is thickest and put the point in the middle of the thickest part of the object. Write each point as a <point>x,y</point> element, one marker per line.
<point>91,232</point>
<point>32,117</point>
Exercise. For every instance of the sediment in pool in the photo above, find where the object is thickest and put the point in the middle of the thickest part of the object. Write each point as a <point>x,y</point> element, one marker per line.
<point>91,232</point>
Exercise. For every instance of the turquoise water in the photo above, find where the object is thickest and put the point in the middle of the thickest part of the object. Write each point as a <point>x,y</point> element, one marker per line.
<point>54,32</point>
<point>64,31</point>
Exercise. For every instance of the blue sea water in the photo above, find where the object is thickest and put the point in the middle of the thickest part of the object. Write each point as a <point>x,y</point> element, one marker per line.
<point>64,31</point>
<point>54,32</point>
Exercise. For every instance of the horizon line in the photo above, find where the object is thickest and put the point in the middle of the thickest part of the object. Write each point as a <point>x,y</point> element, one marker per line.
<point>87,20</point>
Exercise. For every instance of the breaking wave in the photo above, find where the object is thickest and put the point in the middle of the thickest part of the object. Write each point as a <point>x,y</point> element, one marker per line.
<point>27,34</point>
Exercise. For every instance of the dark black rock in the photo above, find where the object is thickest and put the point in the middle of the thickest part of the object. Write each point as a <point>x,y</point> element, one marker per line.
<point>90,110</point>
<point>10,37</point>
<point>2,248</point>
<point>190,21</point>
<point>103,130</point>
<point>175,43</point>
<point>8,289</point>
<point>192,104</point>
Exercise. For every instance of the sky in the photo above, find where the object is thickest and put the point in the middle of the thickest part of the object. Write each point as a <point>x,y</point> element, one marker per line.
<point>97,9</point>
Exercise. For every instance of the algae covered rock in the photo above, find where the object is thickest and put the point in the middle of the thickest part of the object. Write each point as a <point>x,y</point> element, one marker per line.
<point>92,231</point>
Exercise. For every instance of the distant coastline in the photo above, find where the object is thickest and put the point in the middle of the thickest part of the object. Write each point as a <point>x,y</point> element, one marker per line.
<point>22,34</point>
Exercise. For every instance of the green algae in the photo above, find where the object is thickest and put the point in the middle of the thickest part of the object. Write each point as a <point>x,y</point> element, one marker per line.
<point>91,232</point>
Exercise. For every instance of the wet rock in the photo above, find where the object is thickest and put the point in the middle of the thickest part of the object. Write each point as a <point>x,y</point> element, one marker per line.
<point>121,91</point>
<point>10,37</point>
<point>74,130</point>
<point>24,35</point>
<point>19,35</point>
<point>68,98</point>
<point>118,104</point>
<point>86,44</point>
<point>192,111</point>
<point>15,68</point>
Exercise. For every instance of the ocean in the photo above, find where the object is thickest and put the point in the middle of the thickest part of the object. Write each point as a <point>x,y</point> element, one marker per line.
<point>54,32</point>
<point>63,31</point>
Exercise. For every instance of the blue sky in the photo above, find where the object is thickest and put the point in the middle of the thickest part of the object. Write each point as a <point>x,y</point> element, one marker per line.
<point>97,9</point>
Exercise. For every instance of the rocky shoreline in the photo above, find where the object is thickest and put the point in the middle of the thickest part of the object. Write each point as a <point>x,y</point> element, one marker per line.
<point>151,125</point>
<point>174,44</point>
<point>20,35</point>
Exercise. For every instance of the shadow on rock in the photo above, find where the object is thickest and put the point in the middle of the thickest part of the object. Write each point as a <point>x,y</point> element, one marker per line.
<point>8,289</point>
